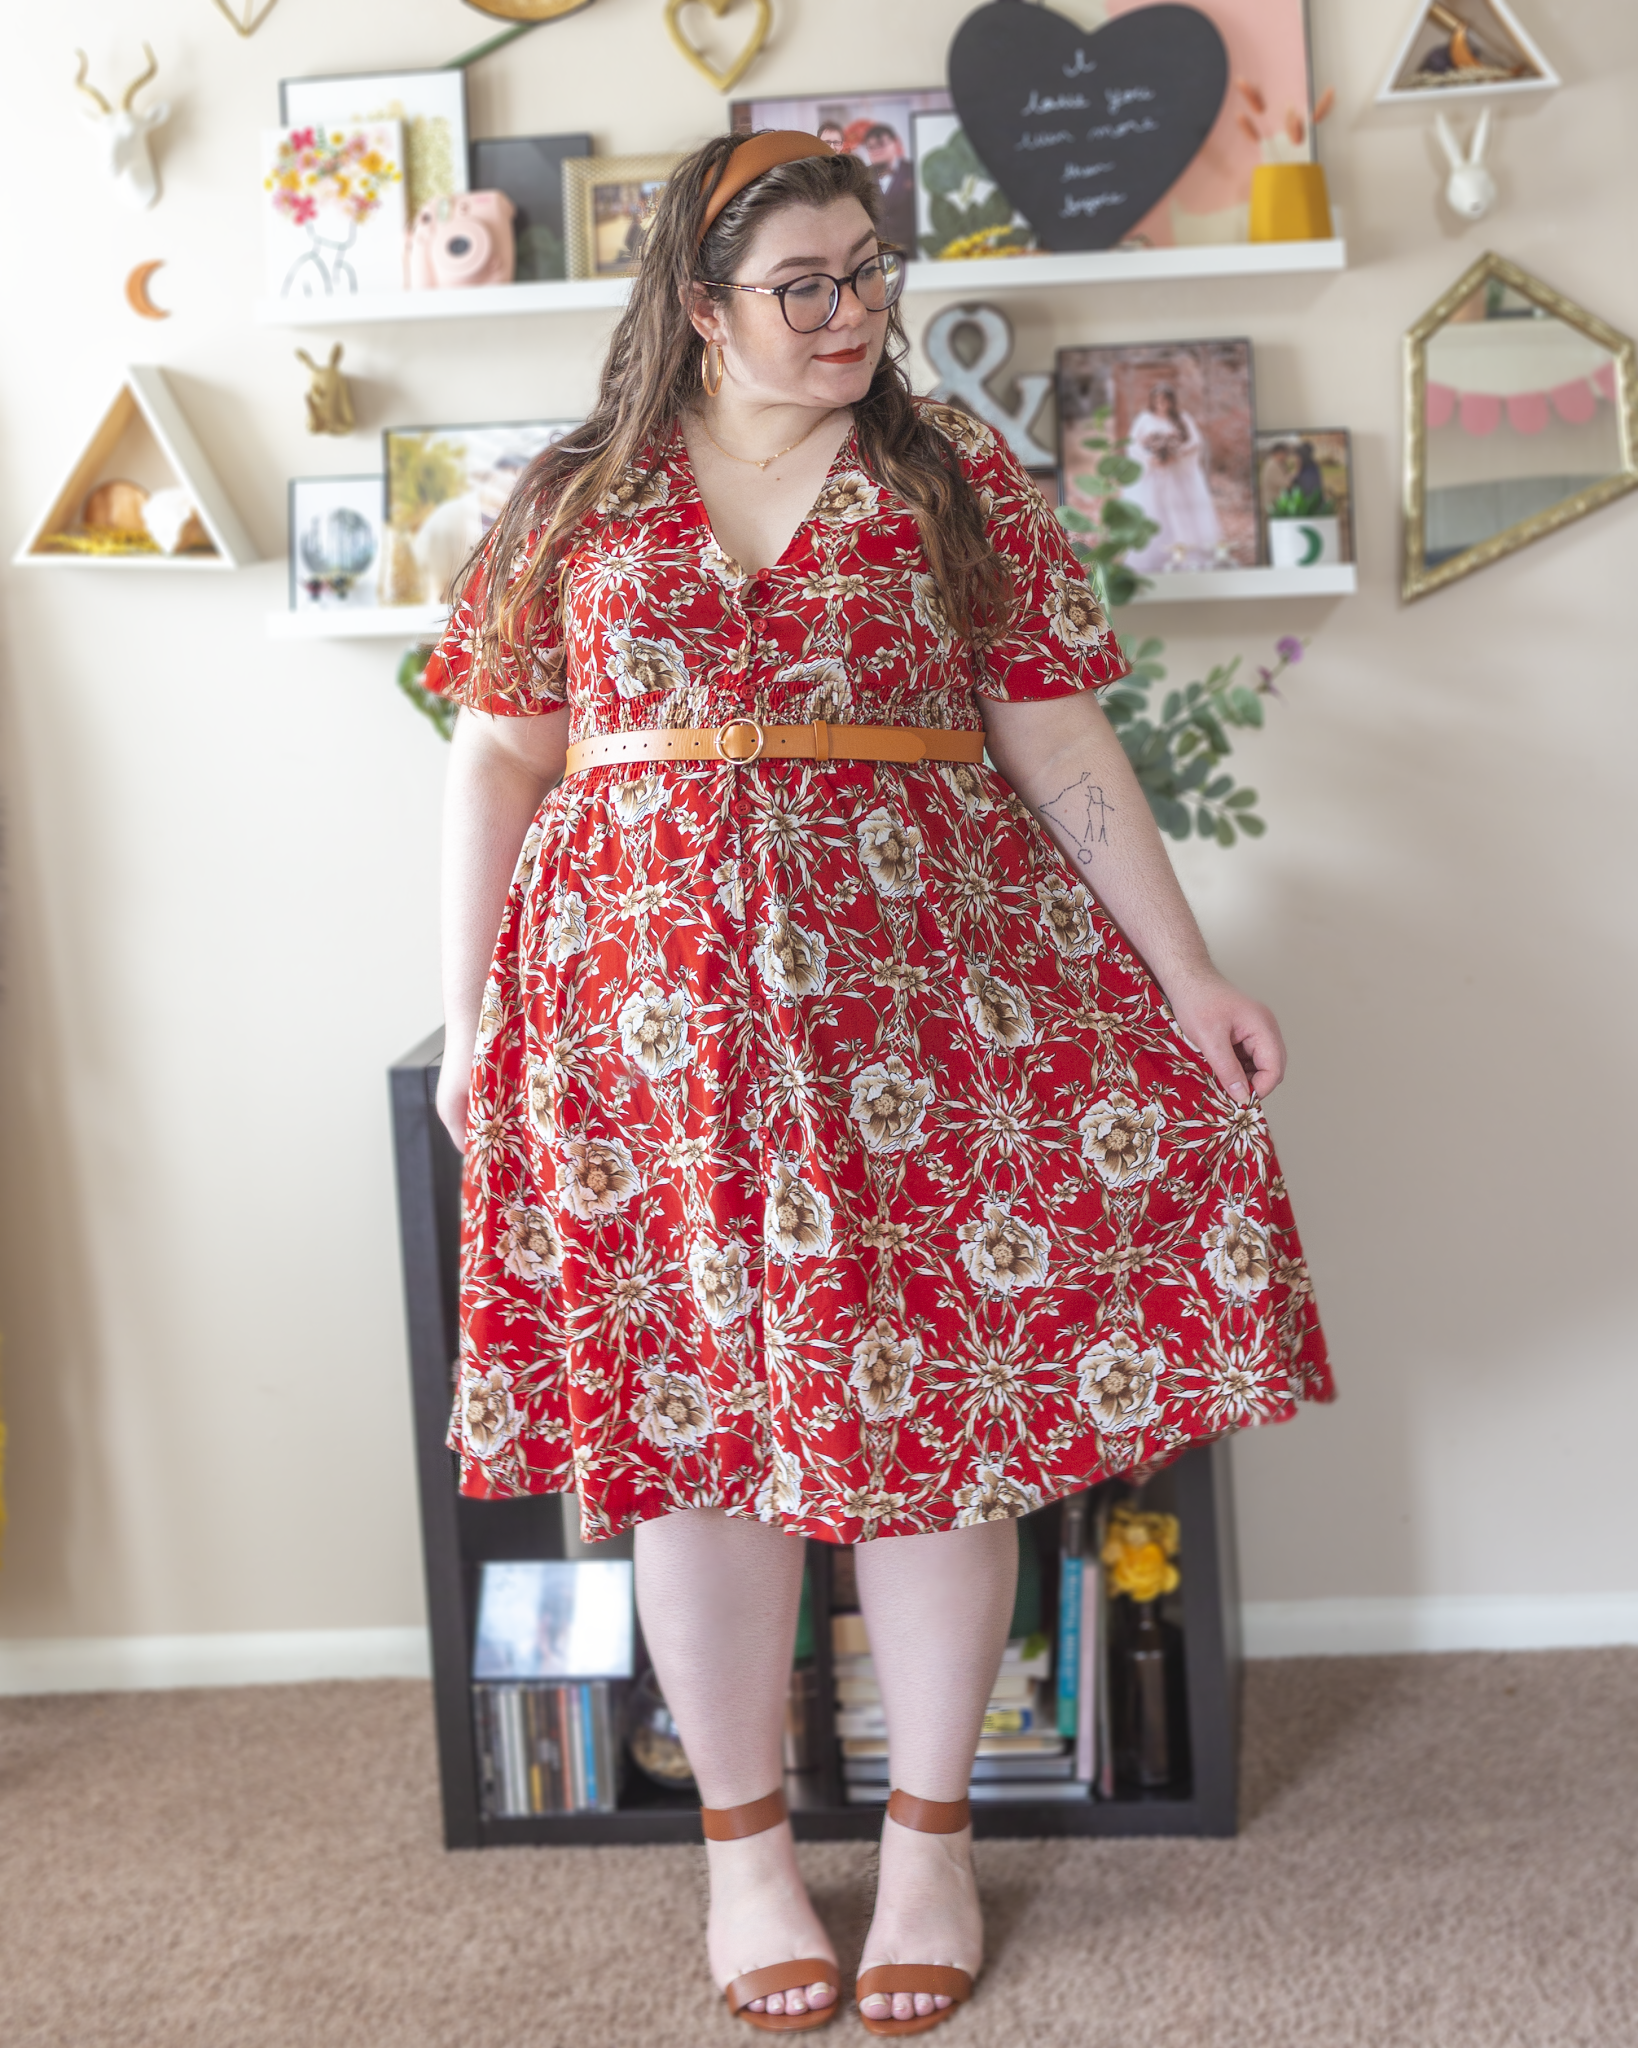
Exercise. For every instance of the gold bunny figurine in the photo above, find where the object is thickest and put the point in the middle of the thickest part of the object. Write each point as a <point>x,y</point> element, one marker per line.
<point>329,402</point>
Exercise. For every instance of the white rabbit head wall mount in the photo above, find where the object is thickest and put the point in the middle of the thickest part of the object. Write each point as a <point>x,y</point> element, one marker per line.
<point>1470,190</point>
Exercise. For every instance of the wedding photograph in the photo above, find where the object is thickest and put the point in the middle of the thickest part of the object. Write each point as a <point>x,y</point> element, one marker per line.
<point>1183,412</point>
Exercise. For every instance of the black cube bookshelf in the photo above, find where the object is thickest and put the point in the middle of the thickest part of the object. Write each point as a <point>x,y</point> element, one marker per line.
<point>458,1535</point>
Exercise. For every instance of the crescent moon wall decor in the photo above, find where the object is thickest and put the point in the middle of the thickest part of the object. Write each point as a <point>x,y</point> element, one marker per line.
<point>136,290</point>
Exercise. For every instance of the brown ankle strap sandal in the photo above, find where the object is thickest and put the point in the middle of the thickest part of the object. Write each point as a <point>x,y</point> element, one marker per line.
<point>733,1824</point>
<point>937,1980</point>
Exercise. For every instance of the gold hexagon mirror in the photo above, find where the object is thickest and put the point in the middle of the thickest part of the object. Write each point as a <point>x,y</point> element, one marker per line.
<point>1521,414</point>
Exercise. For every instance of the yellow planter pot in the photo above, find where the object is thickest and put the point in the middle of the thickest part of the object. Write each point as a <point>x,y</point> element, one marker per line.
<point>1289,204</point>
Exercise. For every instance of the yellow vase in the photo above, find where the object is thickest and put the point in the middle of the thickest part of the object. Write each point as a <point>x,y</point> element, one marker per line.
<point>1289,204</point>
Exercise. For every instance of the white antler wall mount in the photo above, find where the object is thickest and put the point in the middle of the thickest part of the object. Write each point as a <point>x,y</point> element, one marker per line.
<point>125,132</point>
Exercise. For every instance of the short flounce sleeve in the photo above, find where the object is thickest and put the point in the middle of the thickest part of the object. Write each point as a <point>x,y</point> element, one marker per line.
<point>488,674</point>
<point>1058,639</point>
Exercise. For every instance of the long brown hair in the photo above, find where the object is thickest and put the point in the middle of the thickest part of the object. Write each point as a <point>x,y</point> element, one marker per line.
<point>651,377</point>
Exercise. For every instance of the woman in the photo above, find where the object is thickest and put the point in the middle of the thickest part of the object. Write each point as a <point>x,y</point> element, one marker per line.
<point>835,1165</point>
<point>1173,490</point>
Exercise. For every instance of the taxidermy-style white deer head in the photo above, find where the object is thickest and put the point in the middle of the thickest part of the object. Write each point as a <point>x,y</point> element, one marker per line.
<point>1470,189</point>
<point>125,133</point>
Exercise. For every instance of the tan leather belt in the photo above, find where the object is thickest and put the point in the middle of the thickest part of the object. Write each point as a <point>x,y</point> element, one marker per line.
<point>743,740</point>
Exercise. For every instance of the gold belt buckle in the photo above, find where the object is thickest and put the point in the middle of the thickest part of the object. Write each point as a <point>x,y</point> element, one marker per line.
<point>737,760</point>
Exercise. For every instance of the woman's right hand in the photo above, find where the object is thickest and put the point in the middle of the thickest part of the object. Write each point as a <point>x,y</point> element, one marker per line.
<point>453,1099</point>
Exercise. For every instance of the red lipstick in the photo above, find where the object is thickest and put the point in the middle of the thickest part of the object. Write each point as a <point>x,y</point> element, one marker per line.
<point>846,355</point>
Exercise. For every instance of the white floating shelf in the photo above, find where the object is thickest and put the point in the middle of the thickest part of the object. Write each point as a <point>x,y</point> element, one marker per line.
<point>475,302</point>
<point>1197,586</point>
<point>983,274</point>
<point>1128,266</point>
<point>414,624</point>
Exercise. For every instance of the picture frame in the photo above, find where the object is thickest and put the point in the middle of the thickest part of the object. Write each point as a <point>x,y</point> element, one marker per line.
<point>541,1619</point>
<point>336,531</point>
<point>444,487</point>
<point>960,210</point>
<point>1283,457</point>
<point>333,209</point>
<point>431,105</point>
<point>607,204</point>
<point>529,170</point>
<point>1197,446</point>
<point>849,121</point>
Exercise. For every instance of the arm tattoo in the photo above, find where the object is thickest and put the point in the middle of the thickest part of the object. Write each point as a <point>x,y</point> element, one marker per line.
<point>1082,812</point>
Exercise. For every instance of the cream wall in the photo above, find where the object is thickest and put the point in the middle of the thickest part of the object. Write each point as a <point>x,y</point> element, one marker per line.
<point>220,863</point>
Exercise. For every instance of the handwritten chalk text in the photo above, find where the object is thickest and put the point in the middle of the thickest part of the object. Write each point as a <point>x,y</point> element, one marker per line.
<point>1089,203</point>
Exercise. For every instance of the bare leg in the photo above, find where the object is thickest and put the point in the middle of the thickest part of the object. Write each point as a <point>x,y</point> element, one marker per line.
<point>718,1597</point>
<point>937,1609</point>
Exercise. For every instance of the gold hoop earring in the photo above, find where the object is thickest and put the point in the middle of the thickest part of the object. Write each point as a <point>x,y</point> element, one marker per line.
<point>711,388</point>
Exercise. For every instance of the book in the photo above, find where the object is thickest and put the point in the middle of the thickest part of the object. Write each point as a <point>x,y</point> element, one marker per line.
<point>549,1618</point>
<point>847,1636</point>
<point>871,1770</point>
<point>1105,1753</point>
<point>1011,1688</point>
<point>1044,1744</point>
<point>983,1792</point>
<point>1001,1717</point>
<point>1092,1654</point>
<point>1024,1657</point>
<point>1070,1571</point>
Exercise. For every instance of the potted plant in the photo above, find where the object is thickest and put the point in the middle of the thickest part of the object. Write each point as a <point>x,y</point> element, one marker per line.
<point>1304,530</point>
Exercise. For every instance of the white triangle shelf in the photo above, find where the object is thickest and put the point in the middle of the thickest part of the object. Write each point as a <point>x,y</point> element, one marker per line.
<point>1493,25</point>
<point>145,395</point>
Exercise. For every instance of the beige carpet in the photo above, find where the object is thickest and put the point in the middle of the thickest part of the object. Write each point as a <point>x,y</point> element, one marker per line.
<point>1439,1852</point>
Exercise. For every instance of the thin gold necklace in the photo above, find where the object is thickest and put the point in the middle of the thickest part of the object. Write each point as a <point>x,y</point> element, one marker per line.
<point>766,460</point>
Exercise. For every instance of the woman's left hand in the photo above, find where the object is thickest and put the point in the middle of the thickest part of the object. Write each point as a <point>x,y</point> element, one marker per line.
<point>1236,1037</point>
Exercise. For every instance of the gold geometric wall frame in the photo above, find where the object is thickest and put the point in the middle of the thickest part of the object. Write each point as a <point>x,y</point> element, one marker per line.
<point>1508,386</point>
<point>1489,52</point>
<point>144,400</point>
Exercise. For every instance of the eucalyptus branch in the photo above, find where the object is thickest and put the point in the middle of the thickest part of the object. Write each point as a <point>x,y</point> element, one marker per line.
<point>1175,752</point>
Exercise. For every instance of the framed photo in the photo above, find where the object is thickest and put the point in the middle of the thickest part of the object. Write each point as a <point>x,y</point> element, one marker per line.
<point>335,542</point>
<point>1305,496</point>
<point>1182,410</point>
<point>445,488</point>
<point>333,209</point>
<point>431,105</point>
<point>873,126</point>
<point>960,210</point>
<point>529,170</point>
<point>555,1619</point>
<point>1268,48</point>
<point>608,202</point>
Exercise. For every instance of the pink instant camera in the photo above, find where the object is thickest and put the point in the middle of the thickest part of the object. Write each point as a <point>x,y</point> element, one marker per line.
<point>461,240</point>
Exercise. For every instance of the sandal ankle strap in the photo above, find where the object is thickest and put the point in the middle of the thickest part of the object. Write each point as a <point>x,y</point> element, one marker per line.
<point>929,1816</point>
<point>733,1823</point>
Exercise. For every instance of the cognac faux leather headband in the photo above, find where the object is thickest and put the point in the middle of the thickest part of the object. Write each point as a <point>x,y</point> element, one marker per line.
<point>758,153</point>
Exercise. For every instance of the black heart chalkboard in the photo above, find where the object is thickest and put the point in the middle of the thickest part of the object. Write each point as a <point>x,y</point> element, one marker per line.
<point>1085,131</point>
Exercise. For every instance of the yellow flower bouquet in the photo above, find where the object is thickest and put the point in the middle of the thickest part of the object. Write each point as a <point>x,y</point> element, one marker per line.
<point>1138,1553</point>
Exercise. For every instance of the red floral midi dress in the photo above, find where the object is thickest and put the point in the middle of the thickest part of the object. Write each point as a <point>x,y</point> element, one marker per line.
<point>833,1159</point>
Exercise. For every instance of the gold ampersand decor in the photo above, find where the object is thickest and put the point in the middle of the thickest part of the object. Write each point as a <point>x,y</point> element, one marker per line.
<point>724,81</point>
<point>248,17</point>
